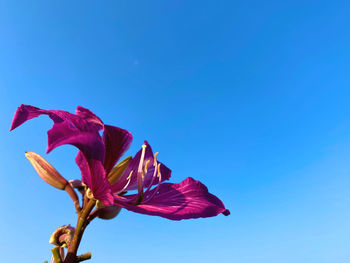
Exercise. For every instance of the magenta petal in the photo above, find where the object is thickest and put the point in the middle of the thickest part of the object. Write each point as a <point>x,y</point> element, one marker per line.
<point>67,129</point>
<point>90,117</point>
<point>133,166</point>
<point>93,175</point>
<point>24,113</point>
<point>89,142</point>
<point>80,130</point>
<point>117,141</point>
<point>188,199</point>
<point>85,120</point>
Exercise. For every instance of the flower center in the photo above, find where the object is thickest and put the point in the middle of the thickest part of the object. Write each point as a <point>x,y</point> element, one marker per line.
<point>143,179</point>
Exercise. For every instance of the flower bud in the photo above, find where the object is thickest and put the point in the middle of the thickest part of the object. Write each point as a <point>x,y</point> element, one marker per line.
<point>46,171</point>
<point>62,236</point>
<point>117,170</point>
<point>109,212</point>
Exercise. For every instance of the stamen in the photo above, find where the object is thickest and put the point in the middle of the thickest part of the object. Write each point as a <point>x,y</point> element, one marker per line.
<point>141,175</point>
<point>155,159</point>
<point>154,174</point>
<point>139,170</point>
<point>146,166</point>
<point>126,185</point>
<point>159,175</point>
<point>155,163</point>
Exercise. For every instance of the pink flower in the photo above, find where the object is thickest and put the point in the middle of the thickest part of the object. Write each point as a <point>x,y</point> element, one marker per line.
<point>98,155</point>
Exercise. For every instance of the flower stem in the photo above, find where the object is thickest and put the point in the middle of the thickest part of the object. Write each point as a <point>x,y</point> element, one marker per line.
<point>70,191</point>
<point>79,231</point>
<point>56,254</point>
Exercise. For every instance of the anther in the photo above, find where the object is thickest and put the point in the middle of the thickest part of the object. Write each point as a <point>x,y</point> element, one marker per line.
<point>146,166</point>
<point>155,159</point>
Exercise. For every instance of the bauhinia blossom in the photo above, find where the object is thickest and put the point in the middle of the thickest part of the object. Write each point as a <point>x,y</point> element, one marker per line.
<point>110,183</point>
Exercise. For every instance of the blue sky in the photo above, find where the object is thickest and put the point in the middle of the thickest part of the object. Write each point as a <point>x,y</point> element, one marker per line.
<point>249,97</point>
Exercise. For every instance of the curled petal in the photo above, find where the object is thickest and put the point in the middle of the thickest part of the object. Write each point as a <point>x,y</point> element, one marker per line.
<point>90,117</point>
<point>67,129</point>
<point>88,142</point>
<point>188,199</point>
<point>27,112</point>
<point>80,130</point>
<point>24,113</point>
<point>89,158</point>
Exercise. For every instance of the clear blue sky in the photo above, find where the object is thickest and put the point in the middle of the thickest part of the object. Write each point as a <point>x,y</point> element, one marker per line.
<point>250,97</point>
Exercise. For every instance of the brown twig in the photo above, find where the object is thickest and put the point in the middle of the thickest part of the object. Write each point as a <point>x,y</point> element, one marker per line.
<point>79,230</point>
<point>83,257</point>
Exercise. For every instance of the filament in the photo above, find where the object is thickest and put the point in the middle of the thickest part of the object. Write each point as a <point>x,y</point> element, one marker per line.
<point>159,175</point>
<point>127,183</point>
